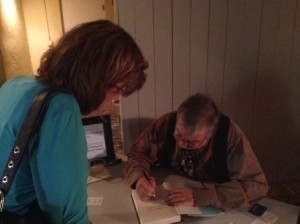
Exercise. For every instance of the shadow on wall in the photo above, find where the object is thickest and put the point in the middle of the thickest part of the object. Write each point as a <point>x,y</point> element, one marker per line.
<point>267,111</point>
<point>134,126</point>
<point>270,126</point>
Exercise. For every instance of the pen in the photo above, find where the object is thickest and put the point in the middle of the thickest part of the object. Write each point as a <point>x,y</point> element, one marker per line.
<point>148,178</point>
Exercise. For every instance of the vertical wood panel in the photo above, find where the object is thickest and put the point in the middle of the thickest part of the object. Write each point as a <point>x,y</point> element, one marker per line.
<point>266,98</point>
<point>233,54</point>
<point>292,118</point>
<point>216,49</point>
<point>181,51</point>
<point>263,117</point>
<point>272,86</point>
<point>163,56</point>
<point>245,54</point>
<point>129,105</point>
<point>283,65</point>
<point>126,17</point>
<point>199,41</point>
<point>250,45</point>
<point>74,12</point>
<point>145,38</point>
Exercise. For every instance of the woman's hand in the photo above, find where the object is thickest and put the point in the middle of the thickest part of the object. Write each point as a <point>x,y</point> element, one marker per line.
<point>145,187</point>
<point>181,196</point>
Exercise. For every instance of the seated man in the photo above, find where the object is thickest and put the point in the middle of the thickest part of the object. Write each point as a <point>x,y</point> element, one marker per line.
<point>200,143</point>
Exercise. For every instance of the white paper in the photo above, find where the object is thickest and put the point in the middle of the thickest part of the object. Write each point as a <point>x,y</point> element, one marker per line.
<point>95,140</point>
<point>266,218</point>
<point>91,179</point>
<point>96,201</point>
<point>257,221</point>
<point>269,218</point>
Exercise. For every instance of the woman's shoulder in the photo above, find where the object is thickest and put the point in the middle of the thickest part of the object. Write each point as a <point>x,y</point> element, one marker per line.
<point>20,80</point>
<point>63,102</point>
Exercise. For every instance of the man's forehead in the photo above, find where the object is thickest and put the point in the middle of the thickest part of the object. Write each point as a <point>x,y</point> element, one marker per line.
<point>192,132</point>
<point>195,132</point>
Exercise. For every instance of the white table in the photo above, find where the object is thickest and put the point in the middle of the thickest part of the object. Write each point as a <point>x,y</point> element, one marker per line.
<point>117,206</point>
<point>287,214</point>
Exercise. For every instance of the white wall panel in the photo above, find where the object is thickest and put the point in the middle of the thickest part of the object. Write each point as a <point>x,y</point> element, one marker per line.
<point>181,51</point>
<point>244,53</point>
<point>280,86</point>
<point>269,87</point>
<point>163,56</point>
<point>145,37</point>
<point>251,18</point>
<point>75,12</point>
<point>233,57</point>
<point>129,105</point>
<point>216,49</point>
<point>291,151</point>
<point>199,45</point>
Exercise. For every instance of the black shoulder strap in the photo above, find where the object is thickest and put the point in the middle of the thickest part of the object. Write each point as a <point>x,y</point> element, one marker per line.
<point>28,128</point>
<point>220,150</point>
<point>170,140</point>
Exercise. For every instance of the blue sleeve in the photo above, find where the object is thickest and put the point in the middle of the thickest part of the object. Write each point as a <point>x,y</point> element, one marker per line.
<point>59,164</point>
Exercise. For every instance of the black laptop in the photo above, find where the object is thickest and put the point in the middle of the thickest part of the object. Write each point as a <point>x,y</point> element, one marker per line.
<point>99,139</point>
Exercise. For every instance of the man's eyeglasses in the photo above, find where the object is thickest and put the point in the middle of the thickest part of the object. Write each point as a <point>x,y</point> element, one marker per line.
<point>193,144</point>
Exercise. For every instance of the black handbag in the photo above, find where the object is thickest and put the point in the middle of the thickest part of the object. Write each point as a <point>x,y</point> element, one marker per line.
<point>28,128</point>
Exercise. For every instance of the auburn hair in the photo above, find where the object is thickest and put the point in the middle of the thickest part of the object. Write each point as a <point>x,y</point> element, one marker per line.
<point>92,58</point>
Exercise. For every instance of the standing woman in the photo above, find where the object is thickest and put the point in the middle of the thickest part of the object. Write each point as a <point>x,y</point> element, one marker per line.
<point>96,62</point>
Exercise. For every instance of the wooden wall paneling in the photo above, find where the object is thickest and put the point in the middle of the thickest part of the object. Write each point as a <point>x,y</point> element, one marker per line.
<point>126,15</point>
<point>282,80</point>
<point>199,45</point>
<point>292,118</point>
<point>145,38</point>
<point>276,81</point>
<point>181,51</point>
<point>216,50</point>
<point>250,45</point>
<point>109,10</point>
<point>129,106</point>
<point>265,121</point>
<point>75,12</point>
<point>254,74</point>
<point>233,56</point>
<point>163,56</point>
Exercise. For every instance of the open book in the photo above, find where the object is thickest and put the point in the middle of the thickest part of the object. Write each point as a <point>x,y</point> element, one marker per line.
<point>156,210</point>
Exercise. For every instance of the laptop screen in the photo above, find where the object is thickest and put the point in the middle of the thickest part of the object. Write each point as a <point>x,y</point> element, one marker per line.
<point>99,138</point>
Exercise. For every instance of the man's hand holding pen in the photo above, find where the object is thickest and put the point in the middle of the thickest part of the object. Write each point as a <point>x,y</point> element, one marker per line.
<point>145,187</point>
